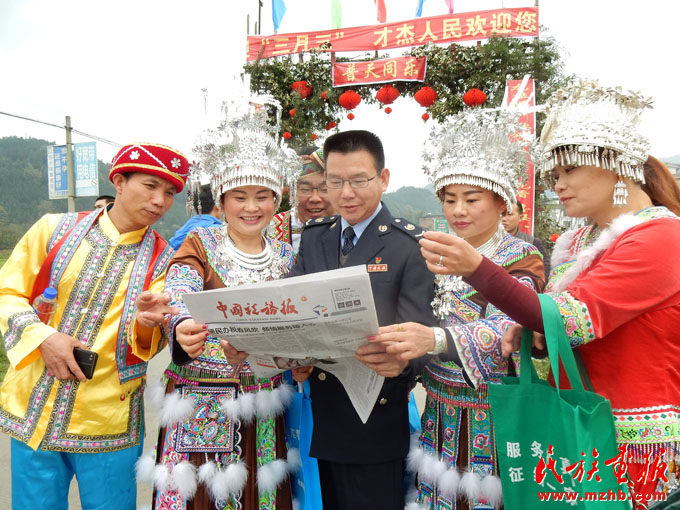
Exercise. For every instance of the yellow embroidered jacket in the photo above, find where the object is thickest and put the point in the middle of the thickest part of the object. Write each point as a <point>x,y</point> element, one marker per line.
<point>98,273</point>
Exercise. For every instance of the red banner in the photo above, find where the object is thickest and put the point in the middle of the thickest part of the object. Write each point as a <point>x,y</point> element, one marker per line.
<point>346,74</point>
<point>523,93</point>
<point>448,28</point>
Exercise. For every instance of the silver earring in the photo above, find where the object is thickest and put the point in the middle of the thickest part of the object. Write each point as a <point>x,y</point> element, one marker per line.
<point>620,196</point>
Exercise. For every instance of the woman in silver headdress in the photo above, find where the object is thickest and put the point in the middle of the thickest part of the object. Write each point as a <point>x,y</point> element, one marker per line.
<point>222,441</point>
<point>475,169</point>
<point>616,281</point>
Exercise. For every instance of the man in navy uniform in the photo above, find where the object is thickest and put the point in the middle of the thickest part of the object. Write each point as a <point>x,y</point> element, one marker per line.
<point>362,466</point>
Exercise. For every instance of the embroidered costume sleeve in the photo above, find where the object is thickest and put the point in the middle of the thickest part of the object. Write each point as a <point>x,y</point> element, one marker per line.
<point>21,329</point>
<point>477,343</point>
<point>185,275</point>
<point>644,258</point>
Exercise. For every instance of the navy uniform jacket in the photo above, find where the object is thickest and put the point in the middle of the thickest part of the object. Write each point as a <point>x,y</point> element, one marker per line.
<point>402,293</point>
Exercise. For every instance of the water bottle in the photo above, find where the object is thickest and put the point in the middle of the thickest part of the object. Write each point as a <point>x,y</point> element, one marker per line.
<point>45,304</point>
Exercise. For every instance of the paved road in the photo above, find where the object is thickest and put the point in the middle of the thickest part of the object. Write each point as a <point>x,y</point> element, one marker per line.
<point>155,370</point>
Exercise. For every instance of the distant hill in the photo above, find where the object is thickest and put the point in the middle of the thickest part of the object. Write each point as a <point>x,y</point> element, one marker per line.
<point>674,160</point>
<point>411,203</point>
<point>24,193</point>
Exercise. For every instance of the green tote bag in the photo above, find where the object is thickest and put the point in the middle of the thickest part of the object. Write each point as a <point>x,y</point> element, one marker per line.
<point>554,445</point>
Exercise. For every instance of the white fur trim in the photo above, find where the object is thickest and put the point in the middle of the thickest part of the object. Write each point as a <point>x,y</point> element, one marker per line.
<point>247,407</point>
<point>229,481</point>
<point>175,410</point>
<point>144,467</point>
<point>432,469</point>
<point>266,403</point>
<point>162,478</point>
<point>285,392</point>
<point>414,506</point>
<point>206,472</point>
<point>586,256</point>
<point>414,459</point>
<point>232,408</point>
<point>560,252</point>
<point>155,394</point>
<point>219,485</point>
<point>270,475</point>
<point>184,478</point>
<point>294,460</point>
<point>237,475</point>
<point>274,402</point>
<point>470,485</point>
<point>448,483</point>
<point>492,491</point>
<point>411,495</point>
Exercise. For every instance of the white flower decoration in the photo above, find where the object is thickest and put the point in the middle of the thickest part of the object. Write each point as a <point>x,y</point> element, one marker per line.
<point>175,163</point>
<point>134,155</point>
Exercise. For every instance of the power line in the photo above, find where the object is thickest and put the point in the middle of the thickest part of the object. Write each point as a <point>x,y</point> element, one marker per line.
<point>82,133</point>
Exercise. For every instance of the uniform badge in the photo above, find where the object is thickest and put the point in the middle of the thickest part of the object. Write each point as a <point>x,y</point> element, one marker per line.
<point>397,220</point>
<point>382,228</point>
<point>410,227</point>
<point>334,224</point>
<point>376,268</point>
<point>378,260</point>
<point>319,220</point>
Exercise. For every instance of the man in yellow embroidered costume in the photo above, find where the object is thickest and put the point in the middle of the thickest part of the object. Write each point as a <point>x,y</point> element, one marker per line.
<point>100,262</point>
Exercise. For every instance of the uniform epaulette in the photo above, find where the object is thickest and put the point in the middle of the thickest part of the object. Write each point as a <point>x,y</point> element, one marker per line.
<point>408,227</point>
<point>321,221</point>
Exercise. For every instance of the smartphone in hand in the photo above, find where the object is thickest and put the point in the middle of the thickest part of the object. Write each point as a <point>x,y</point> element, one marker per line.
<point>86,359</point>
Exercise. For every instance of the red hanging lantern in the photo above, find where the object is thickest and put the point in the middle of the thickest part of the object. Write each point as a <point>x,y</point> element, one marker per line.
<point>324,95</point>
<point>425,116</point>
<point>426,96</point>
<point>287,135</point>
<point>387,94</point>
<point>474,97</point>
<point>388,110</point>
<point>291,112</point>
<point>349,100</point>
<point>331,125</point>
<point>350,116</point>
<point>313,136</point>
<point>302,88</point>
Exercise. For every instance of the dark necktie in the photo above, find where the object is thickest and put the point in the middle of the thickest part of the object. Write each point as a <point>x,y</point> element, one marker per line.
<point>347,244</point>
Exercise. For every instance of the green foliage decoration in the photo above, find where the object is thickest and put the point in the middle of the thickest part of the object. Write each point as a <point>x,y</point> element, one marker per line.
<point>451,71</point>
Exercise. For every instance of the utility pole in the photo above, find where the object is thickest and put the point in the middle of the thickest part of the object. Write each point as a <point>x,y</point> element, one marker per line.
<point>70,172</point>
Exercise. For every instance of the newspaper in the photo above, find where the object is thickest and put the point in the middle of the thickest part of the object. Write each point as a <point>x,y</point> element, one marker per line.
<point>317,319</point>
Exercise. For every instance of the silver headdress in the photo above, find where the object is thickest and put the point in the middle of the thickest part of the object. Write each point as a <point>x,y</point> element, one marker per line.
<point>244,150</point>
<point>485,148</point>
<point>588,124</point>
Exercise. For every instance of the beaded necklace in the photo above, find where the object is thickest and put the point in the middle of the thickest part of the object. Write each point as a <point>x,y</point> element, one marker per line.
<point>243,268</point>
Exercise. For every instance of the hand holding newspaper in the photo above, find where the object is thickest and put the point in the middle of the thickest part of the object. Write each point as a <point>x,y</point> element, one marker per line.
<point>317,319</point>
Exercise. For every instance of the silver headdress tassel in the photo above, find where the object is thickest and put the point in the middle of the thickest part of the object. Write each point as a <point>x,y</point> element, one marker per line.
<point>588,124</point>
<point>485,148</point>
<point>244,150</point>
